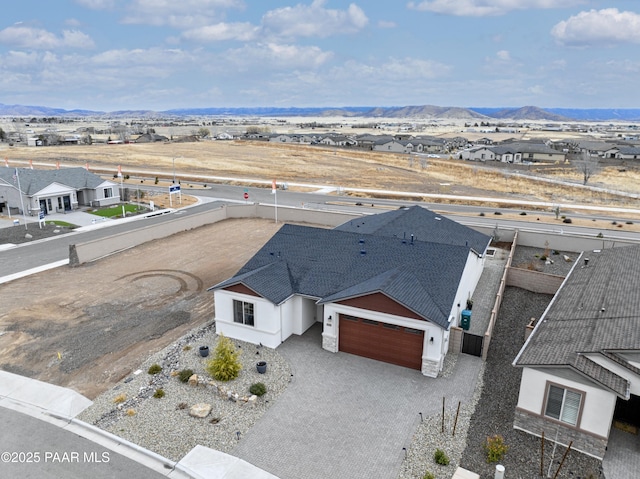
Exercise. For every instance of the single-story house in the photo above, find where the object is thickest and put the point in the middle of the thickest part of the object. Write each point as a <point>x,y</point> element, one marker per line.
<point>581,364</point>
<point>387,286</point>
<point>54,191</point>
<point>628,153</point>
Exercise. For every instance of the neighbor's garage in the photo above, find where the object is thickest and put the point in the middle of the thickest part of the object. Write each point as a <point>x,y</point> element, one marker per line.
<point>381,341</point>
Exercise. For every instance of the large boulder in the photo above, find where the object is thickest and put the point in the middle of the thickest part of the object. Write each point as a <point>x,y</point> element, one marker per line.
<point>200,410</point>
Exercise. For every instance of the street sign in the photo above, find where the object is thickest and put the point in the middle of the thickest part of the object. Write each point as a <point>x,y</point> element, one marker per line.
<point>246,196</point>
<point>174,188</point>
<point>41,215</point>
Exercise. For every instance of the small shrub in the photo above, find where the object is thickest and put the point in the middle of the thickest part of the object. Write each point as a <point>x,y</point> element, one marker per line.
<point>481,214</point>
<point>182,405</point>
<point>497,213</point>
<point>441,458</point>
<point>428,475</point>
<point>629,222</point>
<point>156,182</point>
<point>185,374</point>
<point>600,235</point>
<point>543,258</point>
<point>555,252</point>
<point>120,398</point>
<point>225,364</point>
<point>159,393</point>
<point>258,389</point>
<point>524,213</point>
<point>614,222</point>
<point>131,412</point>
<point>154,369</point>
<point>495,448</point>
<point>567,220</point>
<point>187,348</point>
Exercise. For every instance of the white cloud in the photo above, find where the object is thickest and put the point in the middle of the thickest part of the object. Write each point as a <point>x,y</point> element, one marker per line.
<point>222,31</point>
<point>387,24</point>
<point>183,14</point>
<point>39,39</point>
<point>97,4</point>
<point>598,27</point>
<point>503,55</point>
<point>483,8</point>
<point>275,56</point>
<point>314,20</point>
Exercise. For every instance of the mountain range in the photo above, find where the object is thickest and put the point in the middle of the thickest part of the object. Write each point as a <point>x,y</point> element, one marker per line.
<point>526,113</point>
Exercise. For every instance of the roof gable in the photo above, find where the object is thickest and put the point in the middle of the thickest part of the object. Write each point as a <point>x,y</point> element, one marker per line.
<point>331,264</point>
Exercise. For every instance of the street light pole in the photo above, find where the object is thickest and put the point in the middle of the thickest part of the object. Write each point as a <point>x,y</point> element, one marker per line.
<point>174,171</point>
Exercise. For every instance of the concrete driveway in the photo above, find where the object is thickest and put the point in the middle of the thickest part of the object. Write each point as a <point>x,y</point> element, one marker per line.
<point>347,416</point>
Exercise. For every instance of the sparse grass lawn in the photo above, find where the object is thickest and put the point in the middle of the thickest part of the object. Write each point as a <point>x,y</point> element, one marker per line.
<point>61,223</point>
<point>112,211</point>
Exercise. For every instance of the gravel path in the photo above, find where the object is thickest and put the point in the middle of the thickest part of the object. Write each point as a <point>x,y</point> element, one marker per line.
<point>494,413</point>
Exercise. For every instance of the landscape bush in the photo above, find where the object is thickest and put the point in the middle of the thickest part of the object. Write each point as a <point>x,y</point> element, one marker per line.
<point>441,458</point>
<point>225,364</point>
<point>428,475</point>
<point>258,389</point>
<point>495,448</point>
<point>159,393</point>
<point>154,369</point>
<point>185,374</point>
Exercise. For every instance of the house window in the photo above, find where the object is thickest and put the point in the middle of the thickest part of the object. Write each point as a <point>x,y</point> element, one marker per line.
<point>108,192</point>
<point>563,404</point>
<point>243,312</point>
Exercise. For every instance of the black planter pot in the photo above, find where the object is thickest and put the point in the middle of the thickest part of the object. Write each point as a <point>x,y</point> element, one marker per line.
<point>261,366</point>
<point>204,351</point>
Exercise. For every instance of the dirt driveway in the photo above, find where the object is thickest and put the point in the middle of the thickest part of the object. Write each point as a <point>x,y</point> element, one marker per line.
<point>88,327</point>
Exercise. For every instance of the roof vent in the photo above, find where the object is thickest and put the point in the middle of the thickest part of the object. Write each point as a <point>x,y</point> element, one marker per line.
<point>586,262</point>
<point>361,241</point>
<point>363,252</point>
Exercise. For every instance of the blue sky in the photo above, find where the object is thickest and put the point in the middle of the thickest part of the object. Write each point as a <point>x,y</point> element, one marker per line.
<point>161,54</point>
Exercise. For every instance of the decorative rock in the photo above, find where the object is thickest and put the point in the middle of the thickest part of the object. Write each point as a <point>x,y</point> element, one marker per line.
<point>193,380</point>
<point>200,410</point>
<point>28,236</point>
<point>252,400</point>
<point>566,258</point>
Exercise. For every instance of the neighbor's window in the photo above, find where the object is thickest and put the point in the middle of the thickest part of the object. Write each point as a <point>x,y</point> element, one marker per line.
<point>108,192</point>
<point>563,405</point>
<point>243,312</point>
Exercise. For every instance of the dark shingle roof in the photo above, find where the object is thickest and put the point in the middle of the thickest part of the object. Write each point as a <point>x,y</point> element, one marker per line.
<point>330,265</point>
<point>423,224</point>
<point>32,181</point>
<point>597,309</point>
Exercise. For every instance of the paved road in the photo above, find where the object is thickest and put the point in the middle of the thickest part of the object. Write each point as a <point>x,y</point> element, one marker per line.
<point>44,450</point>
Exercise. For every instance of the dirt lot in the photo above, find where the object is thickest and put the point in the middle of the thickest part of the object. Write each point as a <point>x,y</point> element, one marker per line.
<point>90,326</point>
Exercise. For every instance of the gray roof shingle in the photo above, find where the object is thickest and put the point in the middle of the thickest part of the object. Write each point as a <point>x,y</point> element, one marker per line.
<point>597,309</point>
<point>32,181</point>
<point>335,264</point>
<point>423,224</point>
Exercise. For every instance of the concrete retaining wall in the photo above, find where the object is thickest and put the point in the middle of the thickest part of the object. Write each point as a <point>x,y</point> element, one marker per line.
<point>92,250</point>
<point>533,281</point>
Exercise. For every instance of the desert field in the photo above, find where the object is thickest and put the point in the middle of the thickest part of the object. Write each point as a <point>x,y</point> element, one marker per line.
<point>347,168</point>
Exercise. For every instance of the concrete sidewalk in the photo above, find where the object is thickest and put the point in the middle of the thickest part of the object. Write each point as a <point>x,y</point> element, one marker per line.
<point>59,407</point>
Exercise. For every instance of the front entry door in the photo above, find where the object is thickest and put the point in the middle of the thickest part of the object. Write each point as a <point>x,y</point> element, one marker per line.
<point>67,203</point>
<point>43,206</point>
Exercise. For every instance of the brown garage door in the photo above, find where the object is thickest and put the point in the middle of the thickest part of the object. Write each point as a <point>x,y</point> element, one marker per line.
<point>382,341</point>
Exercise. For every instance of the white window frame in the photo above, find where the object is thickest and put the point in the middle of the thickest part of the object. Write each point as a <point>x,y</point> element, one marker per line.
<point>244,313</point>
<point>108,192</point>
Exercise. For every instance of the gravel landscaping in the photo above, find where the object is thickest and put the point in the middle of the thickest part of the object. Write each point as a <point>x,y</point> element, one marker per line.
<point>18,234</point>
<point>163,425</point>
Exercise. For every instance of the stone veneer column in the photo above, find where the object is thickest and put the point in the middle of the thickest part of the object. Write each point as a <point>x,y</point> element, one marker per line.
<point>583,442</point>
<point>430,367</point>
<point>329,342</point>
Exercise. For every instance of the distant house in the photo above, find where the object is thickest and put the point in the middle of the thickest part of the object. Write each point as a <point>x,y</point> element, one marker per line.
<point>393,146</point>
<point>477,153</point>
<point>628,153</point>
<point>151,138</point>
<point>581,364</point>
<point>385,286</point>
<point>53,191</point>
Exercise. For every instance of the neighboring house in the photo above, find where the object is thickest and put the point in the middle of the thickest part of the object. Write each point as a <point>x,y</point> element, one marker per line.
<point>151,138</point>
<point>386,286</point>
<point>393,146</point>
<point>54,191</point>
<point>581,364</point>
<point>628,153</point>
<point>477,153</point>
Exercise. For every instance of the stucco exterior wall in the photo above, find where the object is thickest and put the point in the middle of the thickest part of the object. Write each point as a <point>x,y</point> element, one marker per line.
<point>596,409</point>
